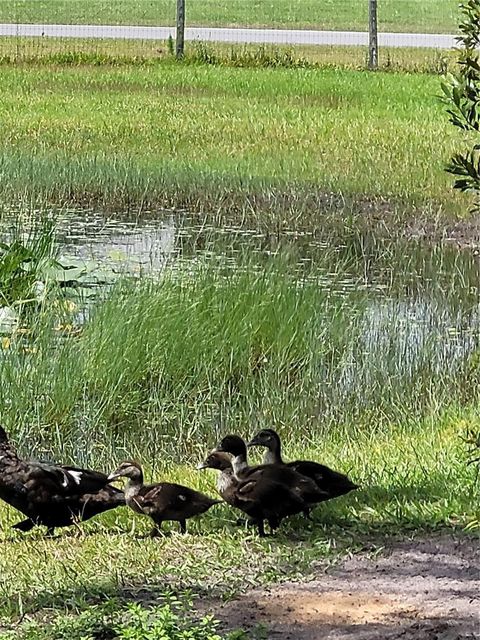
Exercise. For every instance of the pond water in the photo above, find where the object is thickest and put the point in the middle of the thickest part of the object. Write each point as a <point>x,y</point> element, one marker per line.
<point>148,243</point>
<point>420,303</point>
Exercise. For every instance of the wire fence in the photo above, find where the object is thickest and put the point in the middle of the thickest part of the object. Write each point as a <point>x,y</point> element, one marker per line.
<point>316,28</point>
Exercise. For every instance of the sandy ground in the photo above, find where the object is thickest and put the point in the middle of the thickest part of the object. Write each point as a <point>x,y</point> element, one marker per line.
<point>426,589</point>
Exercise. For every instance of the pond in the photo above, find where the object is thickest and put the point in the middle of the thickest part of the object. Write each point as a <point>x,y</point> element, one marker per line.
<point>396,331</point>
<point>422,300</point>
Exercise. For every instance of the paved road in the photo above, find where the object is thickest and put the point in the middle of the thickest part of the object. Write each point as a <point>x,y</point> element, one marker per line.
<point>275,36</point>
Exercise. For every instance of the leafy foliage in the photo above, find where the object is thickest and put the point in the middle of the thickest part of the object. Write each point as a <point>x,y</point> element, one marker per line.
<point>114,621</point>
<point>32,276</point>
<point>462,93</point>
<point>24,262</point>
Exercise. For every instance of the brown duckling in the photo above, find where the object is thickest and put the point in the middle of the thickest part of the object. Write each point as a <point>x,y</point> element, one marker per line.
<point>258,496</point>
<point>304,487</point>
<point>332,482</point>
<point>226,481</point>
<point>163,500</point>
<point>52,495</point>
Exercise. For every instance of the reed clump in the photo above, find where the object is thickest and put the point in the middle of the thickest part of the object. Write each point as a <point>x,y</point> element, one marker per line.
<point>176,359</point>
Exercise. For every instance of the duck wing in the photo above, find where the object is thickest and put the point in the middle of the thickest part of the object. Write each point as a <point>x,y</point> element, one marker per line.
<point>167,497</point>
<point>92,504</point>
<point>156,497</point>
<point>268,499</point>
<point>176,495</point>
<point>332,482</point>
<point>48,495</point>
<point>53,495</point>
<point>303,486</point>
<point>64,480</point>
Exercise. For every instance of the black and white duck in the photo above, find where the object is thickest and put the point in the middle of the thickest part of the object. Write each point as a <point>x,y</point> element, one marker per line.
<point>333,483</point>
<point>163,500</point>
<point>258,496</point>
<point>52,495</point>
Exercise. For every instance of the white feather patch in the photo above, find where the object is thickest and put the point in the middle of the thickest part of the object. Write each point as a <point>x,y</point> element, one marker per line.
<point>76,475</point>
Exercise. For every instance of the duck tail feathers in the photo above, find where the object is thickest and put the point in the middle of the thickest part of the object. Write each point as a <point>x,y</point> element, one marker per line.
<point>3,436</point>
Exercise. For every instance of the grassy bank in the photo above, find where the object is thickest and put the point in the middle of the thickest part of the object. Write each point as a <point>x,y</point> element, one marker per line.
<point>160,369</point>
<point>408,15</point>
<point>413,482</point>
<point>223,138</point>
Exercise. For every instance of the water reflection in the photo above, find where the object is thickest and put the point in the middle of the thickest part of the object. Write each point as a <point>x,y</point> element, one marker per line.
<point>133,245</point>
<point>357,261</point>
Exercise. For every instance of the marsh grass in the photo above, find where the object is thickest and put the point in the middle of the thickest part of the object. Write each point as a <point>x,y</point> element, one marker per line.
<point>226,139</point>
<point>178,354</point>
<point>164,367</point>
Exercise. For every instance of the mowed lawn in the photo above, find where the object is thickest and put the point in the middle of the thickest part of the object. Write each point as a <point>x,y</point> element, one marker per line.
<point>73,132</point>
<point>394,15</point>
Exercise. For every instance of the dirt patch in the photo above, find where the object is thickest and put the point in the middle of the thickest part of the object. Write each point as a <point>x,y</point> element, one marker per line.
<point>426,589</point>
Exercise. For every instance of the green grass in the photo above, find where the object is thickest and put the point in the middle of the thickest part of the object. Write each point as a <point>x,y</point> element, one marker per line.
<point>162,368</point>
<point>407,15</point>
<point>222,138</point>
<point>414,481</point>
<point>172,620</point>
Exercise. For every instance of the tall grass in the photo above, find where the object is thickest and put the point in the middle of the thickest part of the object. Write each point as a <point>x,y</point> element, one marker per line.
<point>161,368</point>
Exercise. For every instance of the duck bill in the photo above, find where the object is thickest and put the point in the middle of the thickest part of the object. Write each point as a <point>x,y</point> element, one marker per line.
<point>113,476</point>
<point>255,443</point>
<point>202,465</point>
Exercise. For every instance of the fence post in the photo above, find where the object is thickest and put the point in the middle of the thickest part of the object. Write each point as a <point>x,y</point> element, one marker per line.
<point>373,35</point>
<point>180,39</point>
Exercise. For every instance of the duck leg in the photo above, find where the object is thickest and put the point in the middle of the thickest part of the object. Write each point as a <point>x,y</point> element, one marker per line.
<point>183,526</point>
<point>261,529</point>
<point>273,523</point>
<point>157,529</point>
